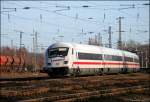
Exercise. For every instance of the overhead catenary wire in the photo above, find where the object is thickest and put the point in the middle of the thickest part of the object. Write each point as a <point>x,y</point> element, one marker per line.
<point>70,16</point>
<point>35,20</point>
<point>45,22</point>
<point>81,19</point>
<point>62,14</point>
<point>30,19</point>
<point>58,13</point>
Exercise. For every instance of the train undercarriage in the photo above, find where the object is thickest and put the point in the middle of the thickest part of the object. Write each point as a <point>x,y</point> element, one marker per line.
<point>65,71</point>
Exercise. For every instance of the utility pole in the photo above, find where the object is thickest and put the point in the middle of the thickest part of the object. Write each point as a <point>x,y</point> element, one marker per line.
<point>35,53</point>
<point>100,39</point>
<point>109,32</point>
<point>146,59</point>
<point>96,40</point>
<point>34,49</point>
<point>8,10</point>
<point>99,35</point>
<point>21,32</point>
<point>33,58</point>
<point>20,41</point>
<point>142,59</point>
<point>120,39</point>
<point>12,44</point>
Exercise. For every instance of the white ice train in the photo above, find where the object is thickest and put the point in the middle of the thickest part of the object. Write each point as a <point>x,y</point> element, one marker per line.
<point>79,59</point>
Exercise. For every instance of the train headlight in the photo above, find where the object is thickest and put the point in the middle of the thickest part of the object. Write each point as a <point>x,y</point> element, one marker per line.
<point>65,62</point>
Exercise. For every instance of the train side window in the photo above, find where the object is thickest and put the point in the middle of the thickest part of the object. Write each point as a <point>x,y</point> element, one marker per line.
<point>136,60</point>
<point>116,58</point>
<point>112,58</point>
<point>108,57</point>
<point>89,56</point>
<point>129,59</point>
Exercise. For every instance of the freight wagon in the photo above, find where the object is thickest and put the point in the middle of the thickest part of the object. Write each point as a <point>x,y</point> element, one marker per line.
<point>11,63</point>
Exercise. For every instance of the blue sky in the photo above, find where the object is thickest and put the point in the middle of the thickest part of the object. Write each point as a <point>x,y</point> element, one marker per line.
<point>70,19</point>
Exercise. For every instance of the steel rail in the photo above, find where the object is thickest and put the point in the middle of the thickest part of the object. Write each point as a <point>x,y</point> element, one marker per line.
<point>83,95</point>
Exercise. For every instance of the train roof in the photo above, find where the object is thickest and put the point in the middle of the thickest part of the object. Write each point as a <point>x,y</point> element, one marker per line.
<point>93,48</point>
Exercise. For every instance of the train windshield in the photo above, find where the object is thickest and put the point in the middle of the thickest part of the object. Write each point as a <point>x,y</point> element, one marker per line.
<point>58,52</point>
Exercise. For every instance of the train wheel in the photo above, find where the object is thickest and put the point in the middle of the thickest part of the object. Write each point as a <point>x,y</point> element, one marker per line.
<point>49,74</point>
<point>73,73</point>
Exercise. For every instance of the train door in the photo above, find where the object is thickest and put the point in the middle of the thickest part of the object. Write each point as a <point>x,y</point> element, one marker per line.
<point>103,64</point>
<point>72,57</point>
<point>76,68</point>
<point>125,66</point>
<point>72,60</point>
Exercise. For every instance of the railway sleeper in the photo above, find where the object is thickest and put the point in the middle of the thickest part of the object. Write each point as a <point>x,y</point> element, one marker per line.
<point>26,92</point>
<point>44,90</point>
<point>83,95</point>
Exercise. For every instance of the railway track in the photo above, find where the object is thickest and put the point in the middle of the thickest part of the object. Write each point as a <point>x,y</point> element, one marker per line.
<point>30,78</point>
<point>84,95</point>
<point>25,78</point>
<point>69,89</point>
<point>81,95</point>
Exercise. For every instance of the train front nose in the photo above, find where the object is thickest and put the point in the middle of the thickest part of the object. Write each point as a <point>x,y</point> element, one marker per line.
<point>57,66</point>
<point>57,60</point>
<point>57,63</point>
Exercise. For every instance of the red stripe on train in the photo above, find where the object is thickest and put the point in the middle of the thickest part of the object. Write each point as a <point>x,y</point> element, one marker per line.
<point>110,63</point>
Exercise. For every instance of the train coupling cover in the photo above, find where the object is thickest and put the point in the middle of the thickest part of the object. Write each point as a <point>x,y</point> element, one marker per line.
<point>46,69</point>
